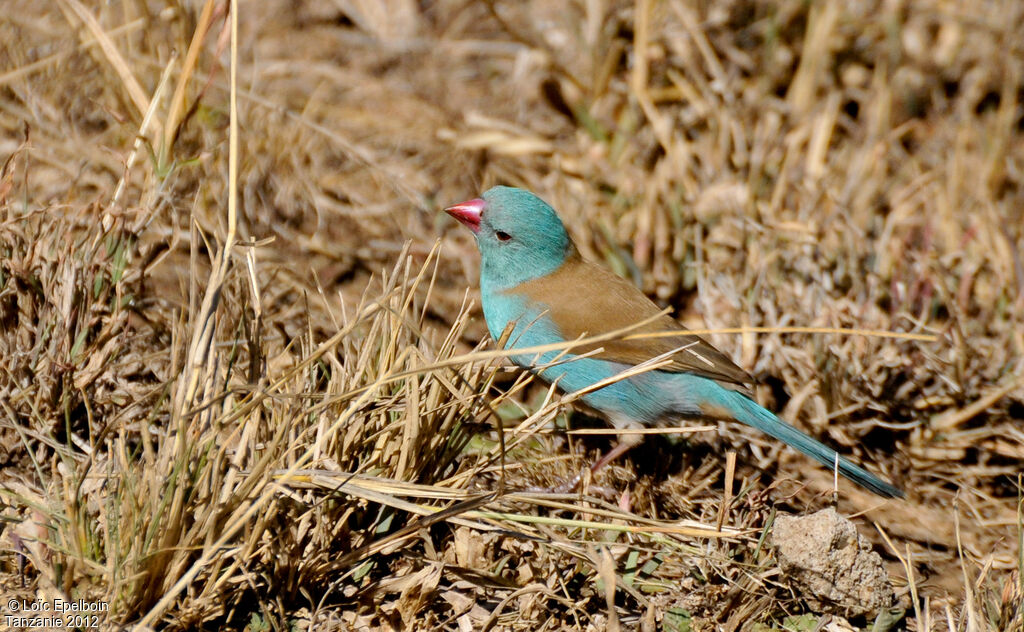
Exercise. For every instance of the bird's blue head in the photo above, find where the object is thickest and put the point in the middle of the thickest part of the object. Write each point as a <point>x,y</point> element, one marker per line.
<point>519,236</point>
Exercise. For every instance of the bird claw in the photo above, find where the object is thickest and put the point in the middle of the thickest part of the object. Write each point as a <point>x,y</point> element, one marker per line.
<point>572,485</point>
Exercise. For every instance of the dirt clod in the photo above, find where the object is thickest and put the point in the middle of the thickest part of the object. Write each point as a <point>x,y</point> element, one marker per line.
<point>835,567</point>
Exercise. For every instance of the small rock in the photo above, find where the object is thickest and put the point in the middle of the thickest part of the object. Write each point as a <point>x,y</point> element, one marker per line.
<point>831,564</point>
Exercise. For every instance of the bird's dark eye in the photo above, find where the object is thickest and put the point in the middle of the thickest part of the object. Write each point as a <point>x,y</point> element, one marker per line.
<point>502,235</point>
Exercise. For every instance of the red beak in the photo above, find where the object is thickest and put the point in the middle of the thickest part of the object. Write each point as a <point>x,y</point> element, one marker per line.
<point>468,213</point>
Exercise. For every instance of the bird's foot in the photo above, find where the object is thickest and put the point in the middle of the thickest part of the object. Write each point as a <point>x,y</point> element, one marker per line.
<point>572,485</point>
<point>569,485</point>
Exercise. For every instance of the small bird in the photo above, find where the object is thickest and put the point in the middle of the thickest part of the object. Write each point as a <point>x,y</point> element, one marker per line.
<point>532,275</point>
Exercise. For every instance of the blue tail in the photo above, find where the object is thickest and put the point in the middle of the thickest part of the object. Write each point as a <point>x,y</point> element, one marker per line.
<point>749,412</point>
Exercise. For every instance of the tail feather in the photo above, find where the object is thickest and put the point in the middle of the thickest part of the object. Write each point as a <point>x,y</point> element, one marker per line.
<point>749,412</point>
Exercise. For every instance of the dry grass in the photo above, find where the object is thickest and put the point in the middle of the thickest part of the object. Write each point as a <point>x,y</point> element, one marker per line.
<point>299,429</point>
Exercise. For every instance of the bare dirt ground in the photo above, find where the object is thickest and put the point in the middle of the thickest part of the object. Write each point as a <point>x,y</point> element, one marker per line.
<point>261,437</point>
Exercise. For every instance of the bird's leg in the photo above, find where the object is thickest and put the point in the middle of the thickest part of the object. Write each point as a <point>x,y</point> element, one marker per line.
<point>623,446</point>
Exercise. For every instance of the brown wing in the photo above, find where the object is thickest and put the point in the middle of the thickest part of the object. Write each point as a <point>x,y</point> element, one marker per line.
<point>602,302</point>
